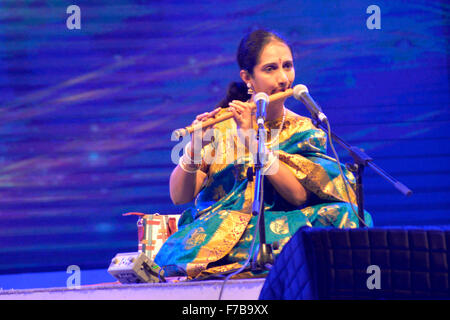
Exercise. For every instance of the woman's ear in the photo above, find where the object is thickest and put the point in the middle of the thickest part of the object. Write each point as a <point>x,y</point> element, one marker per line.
<point>245,76</point>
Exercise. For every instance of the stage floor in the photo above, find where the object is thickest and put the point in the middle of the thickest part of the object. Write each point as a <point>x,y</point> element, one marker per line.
<point>245,289</point>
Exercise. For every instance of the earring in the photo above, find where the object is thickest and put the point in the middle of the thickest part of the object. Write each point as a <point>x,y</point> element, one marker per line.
<point>250,89</point>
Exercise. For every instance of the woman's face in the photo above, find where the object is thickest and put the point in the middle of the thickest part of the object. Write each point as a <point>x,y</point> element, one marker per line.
<point>275,71</point>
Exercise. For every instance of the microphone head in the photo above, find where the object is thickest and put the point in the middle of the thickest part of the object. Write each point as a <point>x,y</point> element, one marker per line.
<point>299,90</point>
<point>261,96</point>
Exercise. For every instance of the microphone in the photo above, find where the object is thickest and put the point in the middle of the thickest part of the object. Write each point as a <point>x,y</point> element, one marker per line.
<point>261,100</point>
<point>301,93</point>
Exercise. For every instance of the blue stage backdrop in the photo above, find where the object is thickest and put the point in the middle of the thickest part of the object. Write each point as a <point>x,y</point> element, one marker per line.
<point>86,115</point>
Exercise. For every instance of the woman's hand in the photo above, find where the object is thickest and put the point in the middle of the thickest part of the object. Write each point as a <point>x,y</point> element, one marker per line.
<point>243,113</point>
<point>186,179</point>
<point>197,137</point>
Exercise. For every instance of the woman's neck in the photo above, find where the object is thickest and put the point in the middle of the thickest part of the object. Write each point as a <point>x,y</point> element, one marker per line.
<point>275,111</point>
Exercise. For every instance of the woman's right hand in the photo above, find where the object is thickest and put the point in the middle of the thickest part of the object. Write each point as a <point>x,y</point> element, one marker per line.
<point>186,179</point>
<point>197,141</point>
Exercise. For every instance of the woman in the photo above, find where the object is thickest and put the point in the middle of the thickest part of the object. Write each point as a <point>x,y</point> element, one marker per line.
<point>302,186</point>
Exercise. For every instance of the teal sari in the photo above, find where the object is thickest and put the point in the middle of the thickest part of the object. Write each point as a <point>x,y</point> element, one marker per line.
<point>215,235</point>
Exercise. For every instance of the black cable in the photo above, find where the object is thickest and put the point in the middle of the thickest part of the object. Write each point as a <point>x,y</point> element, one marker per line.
<point>344,178</point>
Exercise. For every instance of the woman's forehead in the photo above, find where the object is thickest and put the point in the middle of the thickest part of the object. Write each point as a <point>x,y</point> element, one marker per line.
<point>275,51</point>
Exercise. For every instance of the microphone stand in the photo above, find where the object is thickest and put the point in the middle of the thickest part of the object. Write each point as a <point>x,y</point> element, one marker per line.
<point>265,258</point>
<point>360,161</point>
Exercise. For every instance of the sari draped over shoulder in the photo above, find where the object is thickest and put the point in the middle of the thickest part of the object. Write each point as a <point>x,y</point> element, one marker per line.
<point>215,234</point>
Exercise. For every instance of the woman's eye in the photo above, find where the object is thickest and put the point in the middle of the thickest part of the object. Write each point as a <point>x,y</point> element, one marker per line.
<point>288,66</point>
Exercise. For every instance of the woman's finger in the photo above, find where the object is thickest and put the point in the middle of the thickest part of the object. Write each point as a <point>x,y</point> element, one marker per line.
<point>239,103</point>
<point>244,106</point>
<point>236,115</point>
<point>242,103</point>
<point>207,115</point>
<point>202,116</point>
<point>238,108</point>
<point>214,112</point>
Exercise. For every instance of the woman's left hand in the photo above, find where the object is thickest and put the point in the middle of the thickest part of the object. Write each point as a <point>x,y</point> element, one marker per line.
<point>243,113</point>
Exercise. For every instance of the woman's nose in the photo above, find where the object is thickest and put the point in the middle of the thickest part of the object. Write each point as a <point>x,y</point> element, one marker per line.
<point>282,78</point>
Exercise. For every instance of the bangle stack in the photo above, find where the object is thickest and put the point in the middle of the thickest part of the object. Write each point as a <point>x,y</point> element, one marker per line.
<point>183,165</point>
<point>186,163</point>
